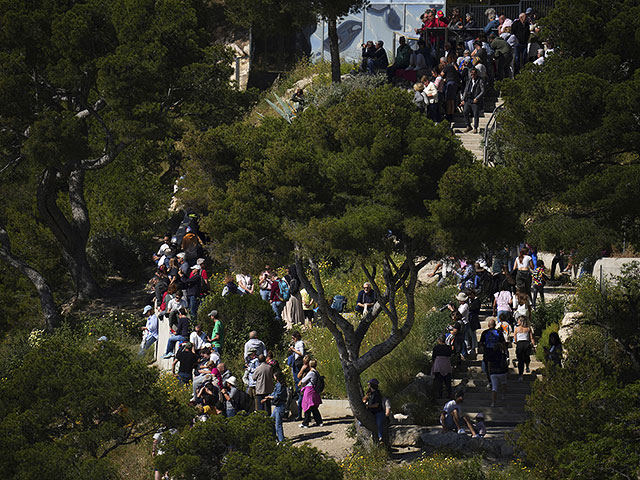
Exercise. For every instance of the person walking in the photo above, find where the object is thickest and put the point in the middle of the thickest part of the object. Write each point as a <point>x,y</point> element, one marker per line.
<point>524,345</point>
<point>441,366</point>
<point>310,398</point>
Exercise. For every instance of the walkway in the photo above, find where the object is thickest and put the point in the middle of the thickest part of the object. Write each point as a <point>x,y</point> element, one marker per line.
<point>474,142</point>
<point>509,411</point>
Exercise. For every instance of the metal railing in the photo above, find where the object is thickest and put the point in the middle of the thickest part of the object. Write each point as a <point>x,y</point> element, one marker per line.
<point>492,126</point>
<point>541,7</point>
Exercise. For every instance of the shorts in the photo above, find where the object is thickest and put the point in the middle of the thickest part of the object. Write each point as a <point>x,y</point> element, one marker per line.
<point>449,423</point>
<point>498,379</point>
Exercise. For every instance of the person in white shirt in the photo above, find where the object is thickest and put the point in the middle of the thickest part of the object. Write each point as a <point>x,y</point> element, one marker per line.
<point>540,60</point>
<point>524,265</point>
<point>198,338</point>
<point>451,417</point>
<point>174,305</point>
<point>150,330</point>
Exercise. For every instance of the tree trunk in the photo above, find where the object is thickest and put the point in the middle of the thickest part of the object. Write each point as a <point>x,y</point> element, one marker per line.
<point>73,234</point>
<point>49,310</point>
<point>334,50</point>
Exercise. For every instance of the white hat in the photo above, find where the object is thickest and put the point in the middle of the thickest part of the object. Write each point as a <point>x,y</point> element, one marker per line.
<point>181,255</point>
<point>200,261</point>
<point>232,381</point>
<point>147,309</point>
<point>195,267</point>
<point>462,297</point>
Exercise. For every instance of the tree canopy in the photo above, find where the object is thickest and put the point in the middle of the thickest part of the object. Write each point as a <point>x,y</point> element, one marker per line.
<point>353,180</point>
<point>86,83</point>
<point>570,130</point>
<point>66,402</point>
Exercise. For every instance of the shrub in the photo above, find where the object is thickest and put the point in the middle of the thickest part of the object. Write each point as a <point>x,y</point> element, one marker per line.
<point>543,342</point>
<point>240,314</point>
<point>334,93</point>
<point>547,314</point>
<point>202,452</point>
<point>112,325</point>
<point>585,419</point>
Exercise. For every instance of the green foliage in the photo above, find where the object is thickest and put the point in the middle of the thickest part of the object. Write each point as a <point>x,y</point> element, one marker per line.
<point>396,370</point>
<point>569,135</point>
<point>473,215</point>
<point>335,181</point>
<point>329,94</point>
<point>548,313</point>
<point>116,254</point>
<point>543,342</point>
<point>202,452</point>
<point>373,464</point>
<point>240,314</point>
<point>585,421</point>
<point>84,83</point>
<point>613,307</point>
<point>94,397</point>
<point>115,324</point>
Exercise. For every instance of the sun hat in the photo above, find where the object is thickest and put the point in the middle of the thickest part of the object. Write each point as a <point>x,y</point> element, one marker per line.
<point>232,381</point>
<point>462,297</point>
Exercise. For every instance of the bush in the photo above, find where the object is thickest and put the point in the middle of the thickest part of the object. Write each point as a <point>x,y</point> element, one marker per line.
<point>112,325</point>
<point>543,342</point>
<point>240,314</point>
<point>585,421</point>
<point>202,452</point>
<point>547,314</point>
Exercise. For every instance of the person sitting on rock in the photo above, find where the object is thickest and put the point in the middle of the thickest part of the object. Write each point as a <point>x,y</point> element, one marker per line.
<point>451,416</point>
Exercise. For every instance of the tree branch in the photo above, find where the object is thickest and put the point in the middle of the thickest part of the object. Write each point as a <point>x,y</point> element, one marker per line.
<point>49,310</point>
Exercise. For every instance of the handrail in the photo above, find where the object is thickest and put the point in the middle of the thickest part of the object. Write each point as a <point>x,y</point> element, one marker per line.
<point>490,128</point>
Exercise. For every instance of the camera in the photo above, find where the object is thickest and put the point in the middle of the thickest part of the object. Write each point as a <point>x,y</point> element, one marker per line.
<point>445,307</point>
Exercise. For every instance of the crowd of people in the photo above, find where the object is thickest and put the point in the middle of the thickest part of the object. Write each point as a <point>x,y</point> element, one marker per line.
<point>511,287</point>
<point>511,294</point>
<point>454,61</point>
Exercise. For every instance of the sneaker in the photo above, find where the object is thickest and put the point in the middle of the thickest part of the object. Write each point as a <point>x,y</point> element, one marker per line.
<point>462,431</point>
<point>168,355</point>
<point>319,424</point>
<point>467,130</point>
<point>527,369</point>
<point>489,386</point>
<point>475,130</point>
<point>302,425</point>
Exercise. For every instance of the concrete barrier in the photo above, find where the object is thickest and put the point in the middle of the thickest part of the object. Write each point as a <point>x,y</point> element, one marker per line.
<point>611,266</point>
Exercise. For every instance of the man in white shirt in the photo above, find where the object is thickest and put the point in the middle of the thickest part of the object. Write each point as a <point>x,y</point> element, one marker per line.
<point>451,417</point>
<point>150,330</point>
<point>198,338</point>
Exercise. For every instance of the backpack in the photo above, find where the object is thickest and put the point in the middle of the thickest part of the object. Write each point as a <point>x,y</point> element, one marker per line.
<point>204,287</point>
<point>491,338</point>
<point>284,289</point>
<point>243,401</point>
<point>319,386</point>
<point>339,303</point>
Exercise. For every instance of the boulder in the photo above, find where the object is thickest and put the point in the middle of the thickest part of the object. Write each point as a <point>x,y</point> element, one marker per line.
<point>406,435</point>
<point>435,440</point>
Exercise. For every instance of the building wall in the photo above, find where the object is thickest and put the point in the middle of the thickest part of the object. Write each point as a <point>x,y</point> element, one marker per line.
<point>378,21</point>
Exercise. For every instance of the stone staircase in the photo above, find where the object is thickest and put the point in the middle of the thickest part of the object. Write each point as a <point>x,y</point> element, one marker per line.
<point>474,142</point>
<point>509,410</point>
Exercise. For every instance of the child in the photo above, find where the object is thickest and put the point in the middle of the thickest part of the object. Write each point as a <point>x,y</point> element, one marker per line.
<point>481,429</point>
<point>504,326</point>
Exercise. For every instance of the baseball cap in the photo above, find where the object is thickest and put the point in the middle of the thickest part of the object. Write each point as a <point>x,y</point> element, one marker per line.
<point>146,309</point>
